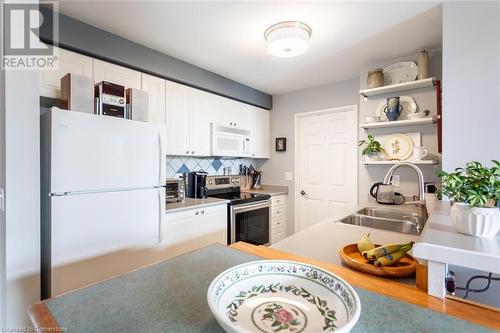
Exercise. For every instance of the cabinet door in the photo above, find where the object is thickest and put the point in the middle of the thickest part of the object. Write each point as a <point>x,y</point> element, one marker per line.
<point>241,115</point>
<point>156,98</point>
<point>177,118</point>
<point>105,71</point>
<point>261,132</point>
<point>223,111</point>
<point>212,225</point>
<point>181,234</point>
<point>200,116</point>
<point>69,62</point>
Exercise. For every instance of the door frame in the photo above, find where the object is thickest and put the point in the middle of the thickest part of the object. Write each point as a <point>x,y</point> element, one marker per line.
<point>298,117</point>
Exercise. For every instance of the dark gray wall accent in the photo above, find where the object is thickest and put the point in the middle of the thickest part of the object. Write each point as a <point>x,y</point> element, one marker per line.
<point>86,39</point>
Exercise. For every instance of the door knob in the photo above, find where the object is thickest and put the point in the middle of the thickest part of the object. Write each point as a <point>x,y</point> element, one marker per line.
<point>303,192</point>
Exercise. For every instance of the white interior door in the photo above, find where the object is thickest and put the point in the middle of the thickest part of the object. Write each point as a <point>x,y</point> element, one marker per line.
<point>327,164</point>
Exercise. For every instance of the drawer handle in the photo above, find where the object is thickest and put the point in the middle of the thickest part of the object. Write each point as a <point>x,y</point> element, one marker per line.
<point>196,213</point>
<point>203,212</point>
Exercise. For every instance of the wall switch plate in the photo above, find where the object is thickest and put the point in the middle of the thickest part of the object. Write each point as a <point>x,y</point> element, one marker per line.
<point>395,180</point>
<point>288,175</point>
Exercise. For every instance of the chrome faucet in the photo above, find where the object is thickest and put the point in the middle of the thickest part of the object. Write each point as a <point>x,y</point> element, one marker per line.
<point>420,203</point>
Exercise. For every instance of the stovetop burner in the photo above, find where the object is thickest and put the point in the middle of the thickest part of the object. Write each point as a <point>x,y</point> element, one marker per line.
<point>237,198</point>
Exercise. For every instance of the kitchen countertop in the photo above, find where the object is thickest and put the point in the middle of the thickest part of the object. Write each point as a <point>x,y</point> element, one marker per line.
<point>189,203</point>
<point>271,190</point>
<point>329,237</point>
<point>440,242</point>
<point>171,296</point>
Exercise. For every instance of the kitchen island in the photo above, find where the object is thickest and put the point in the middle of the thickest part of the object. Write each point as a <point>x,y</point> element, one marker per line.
<point>171,297</point>
<point>323,240</point>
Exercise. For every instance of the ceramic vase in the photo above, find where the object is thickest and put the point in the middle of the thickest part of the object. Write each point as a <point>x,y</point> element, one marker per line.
<point>475,221</point>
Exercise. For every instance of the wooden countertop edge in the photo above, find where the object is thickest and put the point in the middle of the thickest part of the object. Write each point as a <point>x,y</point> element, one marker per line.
<point>42,318</point>
<point>387,287</point>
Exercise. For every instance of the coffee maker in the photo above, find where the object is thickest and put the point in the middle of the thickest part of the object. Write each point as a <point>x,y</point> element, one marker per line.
<point>195,184</point>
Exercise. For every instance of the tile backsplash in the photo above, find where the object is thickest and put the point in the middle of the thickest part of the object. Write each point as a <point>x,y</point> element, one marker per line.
<point>177,165</point>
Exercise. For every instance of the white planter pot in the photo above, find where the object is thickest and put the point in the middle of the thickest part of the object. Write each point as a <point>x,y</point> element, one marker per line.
<point>373,157</point>
<point>479,222</point>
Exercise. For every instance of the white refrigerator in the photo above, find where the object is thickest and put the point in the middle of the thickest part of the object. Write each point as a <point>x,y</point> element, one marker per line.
<point>103,198</point>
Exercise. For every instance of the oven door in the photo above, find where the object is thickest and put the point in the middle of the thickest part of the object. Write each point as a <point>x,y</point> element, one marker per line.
<point>250,223</point>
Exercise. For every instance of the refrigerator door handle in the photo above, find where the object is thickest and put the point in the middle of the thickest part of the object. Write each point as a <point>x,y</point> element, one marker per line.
<point>162,165</point>
<point>161,213</point>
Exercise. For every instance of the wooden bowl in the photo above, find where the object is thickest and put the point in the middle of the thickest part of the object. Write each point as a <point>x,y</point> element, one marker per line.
<point>350,256</point>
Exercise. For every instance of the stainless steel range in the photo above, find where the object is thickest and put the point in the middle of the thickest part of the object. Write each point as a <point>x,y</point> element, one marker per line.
<point>249,214</point>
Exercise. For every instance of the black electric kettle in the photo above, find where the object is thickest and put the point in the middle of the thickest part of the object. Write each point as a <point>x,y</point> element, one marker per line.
<point>384,194</point>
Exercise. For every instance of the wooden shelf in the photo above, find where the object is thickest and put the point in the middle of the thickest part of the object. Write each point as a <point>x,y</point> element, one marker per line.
<point>394,88</point>
<point>423,162</point>
<point>406,122</point>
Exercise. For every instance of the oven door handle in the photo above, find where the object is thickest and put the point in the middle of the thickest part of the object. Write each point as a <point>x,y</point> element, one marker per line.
<point>251,206</point>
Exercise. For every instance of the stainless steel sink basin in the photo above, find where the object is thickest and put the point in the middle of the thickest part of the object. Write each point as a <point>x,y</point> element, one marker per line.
<point>388,213</point>
<point>405,226</point>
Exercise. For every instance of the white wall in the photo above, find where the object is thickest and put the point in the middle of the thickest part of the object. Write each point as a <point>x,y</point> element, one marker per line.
<point>283,125</point>
<point>471,82</point>
<point>471,97</point>
<point>22,118</point>
<point>3,311</point>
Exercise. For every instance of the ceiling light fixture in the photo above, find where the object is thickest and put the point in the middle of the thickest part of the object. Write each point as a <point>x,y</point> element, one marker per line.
<point>288,39</point>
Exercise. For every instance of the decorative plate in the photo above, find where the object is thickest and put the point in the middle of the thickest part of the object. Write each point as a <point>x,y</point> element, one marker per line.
<point>282,296</point>
<point>408,103</point>
<point>398,147</point>
<point>400,72</point>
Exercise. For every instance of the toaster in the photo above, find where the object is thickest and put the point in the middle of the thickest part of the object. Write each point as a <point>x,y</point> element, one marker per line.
<point>174,190</point>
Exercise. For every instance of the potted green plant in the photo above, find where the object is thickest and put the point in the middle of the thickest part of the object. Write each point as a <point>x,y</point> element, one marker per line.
<point>475,192</point>
<point>373,148</point>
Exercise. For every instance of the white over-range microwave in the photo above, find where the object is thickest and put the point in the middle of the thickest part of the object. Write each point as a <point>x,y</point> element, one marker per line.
<point>229,141</point>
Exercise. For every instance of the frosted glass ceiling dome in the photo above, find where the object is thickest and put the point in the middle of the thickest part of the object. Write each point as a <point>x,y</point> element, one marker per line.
<point>288,39</point>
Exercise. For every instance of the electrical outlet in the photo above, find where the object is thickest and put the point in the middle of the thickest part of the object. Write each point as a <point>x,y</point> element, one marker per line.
<point>288,175</point>
<point>395,180</point>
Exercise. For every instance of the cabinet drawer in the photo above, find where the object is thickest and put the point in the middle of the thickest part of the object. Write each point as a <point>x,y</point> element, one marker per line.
<point>278,200</point>
<point>276,237</point>
<point>196,211</point>
<point>277,212</point>
<point>275,223</point>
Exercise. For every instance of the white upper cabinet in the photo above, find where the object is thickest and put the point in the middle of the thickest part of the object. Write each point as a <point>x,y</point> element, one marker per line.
<point>223,112</point>
<point>200,116</point>
<point>241,115</point>
<point>105,71</point>
<point>155,87</point>
<point>261,132</point>
<point>177,118</point>
<point>230,113</point>
<point>69,62</point>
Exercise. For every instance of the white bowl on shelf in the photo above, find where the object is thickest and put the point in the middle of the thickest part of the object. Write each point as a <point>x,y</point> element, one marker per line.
<point>478,222</point>
<point>416,115</point>
<point>282,296</point>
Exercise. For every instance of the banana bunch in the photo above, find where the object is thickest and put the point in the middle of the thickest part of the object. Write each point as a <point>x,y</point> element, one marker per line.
<point>385,255</point>
<point>393,257</point>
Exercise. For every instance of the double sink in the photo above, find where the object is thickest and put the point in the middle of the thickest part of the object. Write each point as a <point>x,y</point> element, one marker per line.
<point>401,221</point>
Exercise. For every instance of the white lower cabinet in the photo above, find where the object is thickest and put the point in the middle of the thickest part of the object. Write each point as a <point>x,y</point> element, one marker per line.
<point>191,229</point>
<point>278,218</point>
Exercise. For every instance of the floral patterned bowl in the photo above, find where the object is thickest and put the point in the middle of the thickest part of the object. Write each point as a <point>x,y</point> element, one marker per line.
<point>282,296</point>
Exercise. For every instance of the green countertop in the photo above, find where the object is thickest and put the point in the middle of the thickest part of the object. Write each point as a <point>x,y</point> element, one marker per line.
<point>171,297</point>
